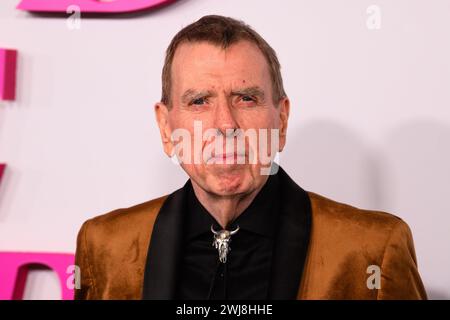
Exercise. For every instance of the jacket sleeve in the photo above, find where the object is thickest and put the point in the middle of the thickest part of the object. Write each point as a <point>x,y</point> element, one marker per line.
<point>86,290</point>
<point>400,279</point>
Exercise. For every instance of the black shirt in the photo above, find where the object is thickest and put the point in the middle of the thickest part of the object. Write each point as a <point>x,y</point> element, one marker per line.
<point>246,273</point>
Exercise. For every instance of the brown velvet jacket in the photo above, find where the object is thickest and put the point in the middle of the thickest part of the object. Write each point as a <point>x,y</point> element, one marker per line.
<point>131,253</point>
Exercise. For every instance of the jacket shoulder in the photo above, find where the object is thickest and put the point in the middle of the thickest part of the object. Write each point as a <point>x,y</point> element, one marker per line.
<point>134,215</point>
<point>107,243</point>
<point>346,241</point>
<point>352,217</point>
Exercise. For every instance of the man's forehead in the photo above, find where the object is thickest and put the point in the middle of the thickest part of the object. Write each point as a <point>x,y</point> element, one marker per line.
<point>205,55</point>
<point>190,46</point>
<point>200,64</point>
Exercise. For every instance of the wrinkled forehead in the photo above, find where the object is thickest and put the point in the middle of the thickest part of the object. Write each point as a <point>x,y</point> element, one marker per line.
<point>203,64</point>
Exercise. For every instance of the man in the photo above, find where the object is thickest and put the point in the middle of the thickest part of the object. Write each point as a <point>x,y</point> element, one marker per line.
<point>239,228</point>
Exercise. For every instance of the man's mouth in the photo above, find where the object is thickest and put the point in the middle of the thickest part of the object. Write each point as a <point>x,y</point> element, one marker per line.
<point>226,158</point>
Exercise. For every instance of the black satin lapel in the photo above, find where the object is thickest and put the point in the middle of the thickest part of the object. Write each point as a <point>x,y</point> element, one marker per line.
<point>292,239</point>
<point>160,275</point>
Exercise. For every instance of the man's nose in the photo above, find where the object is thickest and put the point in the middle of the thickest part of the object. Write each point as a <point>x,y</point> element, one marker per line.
<point>225,117</point>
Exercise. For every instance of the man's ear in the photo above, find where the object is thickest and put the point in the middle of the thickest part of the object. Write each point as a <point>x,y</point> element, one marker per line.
<point>162,117</point>
<point>284,117</point>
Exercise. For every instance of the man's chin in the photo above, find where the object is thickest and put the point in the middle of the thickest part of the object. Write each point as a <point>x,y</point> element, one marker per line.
<point>228,179</point>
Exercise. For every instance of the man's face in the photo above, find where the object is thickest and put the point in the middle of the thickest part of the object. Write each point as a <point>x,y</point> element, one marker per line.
<point>222,89</point>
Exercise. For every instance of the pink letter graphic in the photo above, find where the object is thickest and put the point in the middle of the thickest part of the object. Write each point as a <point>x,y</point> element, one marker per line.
<point>2,168</point>
<point>114,6</point>
<point>8,61</point>
<point>14,268</point>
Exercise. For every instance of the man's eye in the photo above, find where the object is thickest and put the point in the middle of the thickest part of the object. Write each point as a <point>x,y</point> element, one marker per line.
<point>198,101</point>
<point>248,98</point>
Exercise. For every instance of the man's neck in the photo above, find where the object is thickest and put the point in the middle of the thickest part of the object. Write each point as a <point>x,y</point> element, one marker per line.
<point>224,209</point>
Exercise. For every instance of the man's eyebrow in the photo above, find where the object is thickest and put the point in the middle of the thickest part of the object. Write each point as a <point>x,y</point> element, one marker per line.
<point>192,94</point>
<point>250,91</point>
